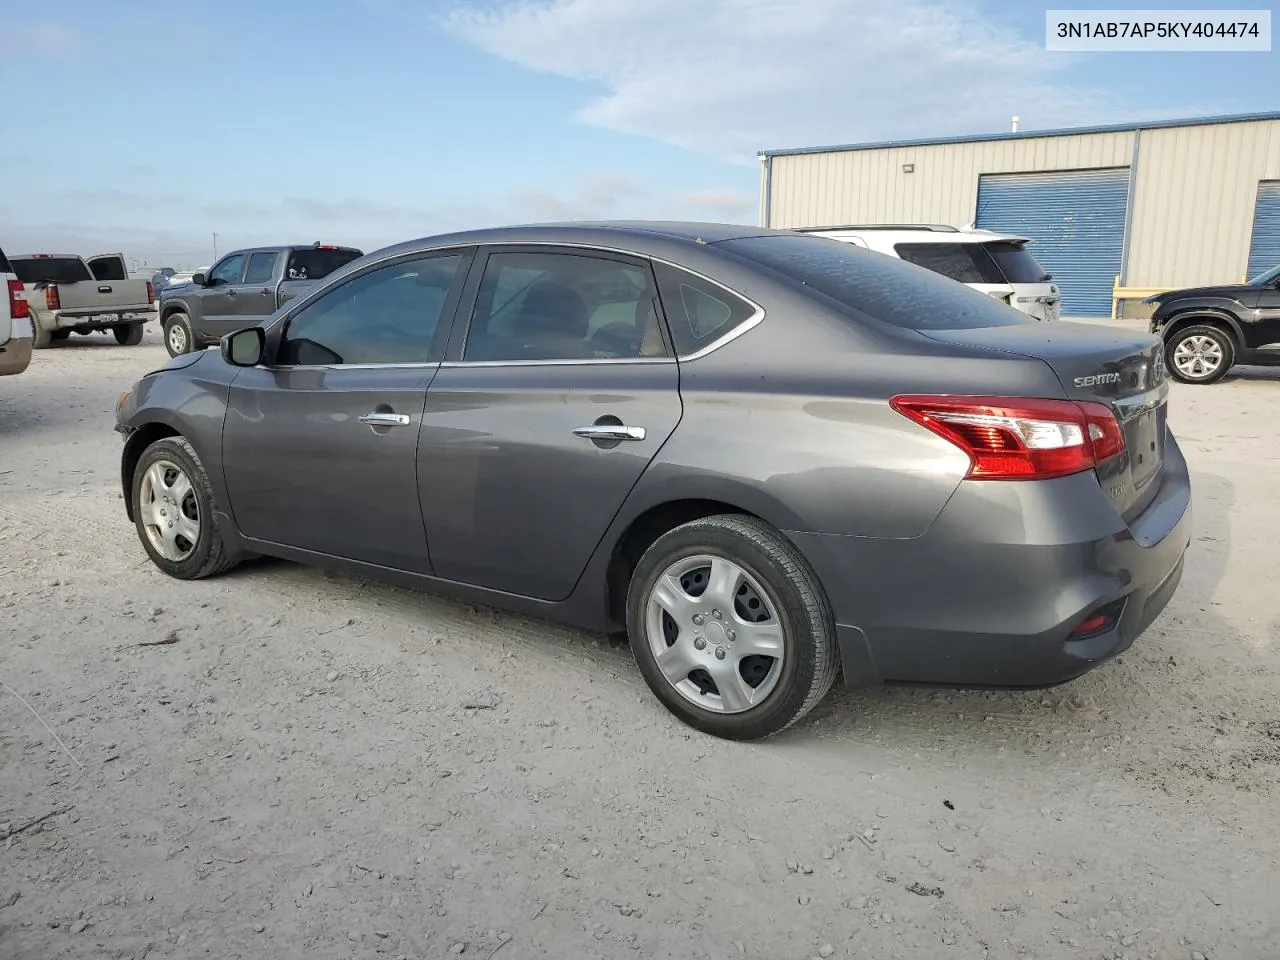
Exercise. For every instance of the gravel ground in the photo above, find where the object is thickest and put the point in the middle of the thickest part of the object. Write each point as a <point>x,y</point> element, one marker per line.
<point>322,767</point>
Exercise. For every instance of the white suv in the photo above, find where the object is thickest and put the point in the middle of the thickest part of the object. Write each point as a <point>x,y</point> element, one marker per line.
<point>15,322</point>
<point>998,264</point>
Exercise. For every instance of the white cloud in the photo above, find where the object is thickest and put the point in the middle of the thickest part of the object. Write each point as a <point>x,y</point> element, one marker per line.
<point>718,204</point>
<point>730,77</point>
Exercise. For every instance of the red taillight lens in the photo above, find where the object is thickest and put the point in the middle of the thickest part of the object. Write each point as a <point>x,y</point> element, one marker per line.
<point>151,293</point>
<point>18,306</point>
<point>1013,438</point>
<point>51,299</point>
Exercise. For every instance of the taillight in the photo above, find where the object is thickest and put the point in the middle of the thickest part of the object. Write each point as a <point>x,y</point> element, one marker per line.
<point>151,293</point>
<point>1012,438</point>
<point>51,299</point>
<point>18,306</point>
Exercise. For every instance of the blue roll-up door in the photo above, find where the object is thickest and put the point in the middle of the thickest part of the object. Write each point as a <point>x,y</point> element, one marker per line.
<point>1264,249</point>
<point>1076,219</point>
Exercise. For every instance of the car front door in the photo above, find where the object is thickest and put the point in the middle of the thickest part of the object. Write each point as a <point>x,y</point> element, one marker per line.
<point>319,444</point>
<point>553,400</point>
<point>255,298</point>
<point>216,299</point>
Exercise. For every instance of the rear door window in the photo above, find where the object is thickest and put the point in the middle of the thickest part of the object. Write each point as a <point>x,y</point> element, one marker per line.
<point>1017,263</point>
<point>965,262</point>
<point>699,311</point>
<point>262,267</point>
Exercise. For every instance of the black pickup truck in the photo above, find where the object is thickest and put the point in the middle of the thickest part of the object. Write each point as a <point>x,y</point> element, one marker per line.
<point>243,289</point>
<point>1207,330</point>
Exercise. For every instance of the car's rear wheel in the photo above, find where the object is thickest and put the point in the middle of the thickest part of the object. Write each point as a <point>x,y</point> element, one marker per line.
<point>1200,354</point>
<point>177,334</point>
<point>730,627</point>
<point>128,334</point>
<point>173,511</point>
<point>40,338</point>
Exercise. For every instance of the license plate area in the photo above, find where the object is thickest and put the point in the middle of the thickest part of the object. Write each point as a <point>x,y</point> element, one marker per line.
<point>1144,435</point>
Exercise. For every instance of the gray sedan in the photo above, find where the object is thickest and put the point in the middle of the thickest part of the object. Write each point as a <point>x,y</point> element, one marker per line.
<point>770,458</point>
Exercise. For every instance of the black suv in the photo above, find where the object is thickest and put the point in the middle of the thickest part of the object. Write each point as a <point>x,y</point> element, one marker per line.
<point>1206,330</point>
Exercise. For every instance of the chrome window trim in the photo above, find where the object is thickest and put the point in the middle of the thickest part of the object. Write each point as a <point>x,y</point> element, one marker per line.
<point>753,321</point>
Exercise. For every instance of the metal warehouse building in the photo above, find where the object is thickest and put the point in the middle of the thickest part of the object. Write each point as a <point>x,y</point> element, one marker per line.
<point>1158,205</point>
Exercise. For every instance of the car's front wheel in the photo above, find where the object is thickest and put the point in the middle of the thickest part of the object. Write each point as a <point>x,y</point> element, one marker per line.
<point>730,627</point>
<point>177,334</point>
<point>1200,354</point>
<point>173,511</point>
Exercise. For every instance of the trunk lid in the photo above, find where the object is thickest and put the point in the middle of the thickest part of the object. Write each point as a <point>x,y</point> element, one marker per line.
<point>1122,369</point>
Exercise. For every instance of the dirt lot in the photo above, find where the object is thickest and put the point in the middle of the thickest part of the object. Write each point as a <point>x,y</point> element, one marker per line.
<point>322,767</point>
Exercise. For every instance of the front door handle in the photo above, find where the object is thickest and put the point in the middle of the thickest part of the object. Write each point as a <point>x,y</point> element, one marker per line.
<point>231,293</point>
<point>610,431</point>
<point>385,419</point>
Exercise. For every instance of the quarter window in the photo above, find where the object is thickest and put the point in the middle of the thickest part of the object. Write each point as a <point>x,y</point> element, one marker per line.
<point>229,270</point>
<point>700,312</point>
<point>262,267</point>
<point>389,315</point>
<point>558,306</point>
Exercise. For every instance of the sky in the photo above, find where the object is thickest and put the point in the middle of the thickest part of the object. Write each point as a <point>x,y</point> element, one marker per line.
<point>146,126</point>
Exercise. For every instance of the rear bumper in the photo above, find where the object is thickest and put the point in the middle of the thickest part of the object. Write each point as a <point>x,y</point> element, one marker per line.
<point>15,354</point>
<point>100,321</point>
<point>990,594</point>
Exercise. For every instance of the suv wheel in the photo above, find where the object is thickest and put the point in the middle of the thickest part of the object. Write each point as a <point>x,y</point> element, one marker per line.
<point>730,627</point>
<point>1200,354</point>
<point>177,334</point>
<point>174,513</point>
<point>128,334</point>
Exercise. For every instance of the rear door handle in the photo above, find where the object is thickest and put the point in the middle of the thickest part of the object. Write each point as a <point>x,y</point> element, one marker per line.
<point>385,419</point>
<point>104,289</point>
<point>610,431</point>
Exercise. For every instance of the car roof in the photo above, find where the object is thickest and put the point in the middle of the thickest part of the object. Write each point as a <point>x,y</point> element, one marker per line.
<point>639,236</point>
<point>922,235</point>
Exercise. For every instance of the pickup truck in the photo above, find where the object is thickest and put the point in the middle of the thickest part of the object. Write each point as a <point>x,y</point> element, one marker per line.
<point>15,322</point>
<point>243,289</point>
<point>67,293</point>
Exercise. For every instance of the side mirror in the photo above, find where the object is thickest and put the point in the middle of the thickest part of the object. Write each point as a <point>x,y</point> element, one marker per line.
<point>199,279</point>
<point>244,348</point>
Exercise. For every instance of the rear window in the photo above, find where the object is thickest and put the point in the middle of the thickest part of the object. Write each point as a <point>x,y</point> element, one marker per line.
<point>1017,263</point>
<point>50,269</point>
<point>312,264</point>
<point>966,262</point>
<point>883,288</point>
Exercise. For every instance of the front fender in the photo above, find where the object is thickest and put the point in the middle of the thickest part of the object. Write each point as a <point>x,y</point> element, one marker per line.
<point>176,305</point>
<point>1223,309</point>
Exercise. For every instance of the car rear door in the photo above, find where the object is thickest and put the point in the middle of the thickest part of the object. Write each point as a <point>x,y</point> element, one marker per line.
<point>255,298</point>
<point>553,399</point>
<point>319,446</point>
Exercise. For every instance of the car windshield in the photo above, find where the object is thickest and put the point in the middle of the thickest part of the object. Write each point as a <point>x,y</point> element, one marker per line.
<point>1017,263</point>
<point>884,288</point>
<point>312,264</point>
<point>1266,279</point>
<point>51,269</point>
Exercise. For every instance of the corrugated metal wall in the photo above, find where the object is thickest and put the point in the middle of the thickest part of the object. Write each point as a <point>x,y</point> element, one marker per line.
<point>1264,248</point>
<point>1192,206</point>
<point>868,186</point>
<point>1193,201</point>
<point>1077,222</point>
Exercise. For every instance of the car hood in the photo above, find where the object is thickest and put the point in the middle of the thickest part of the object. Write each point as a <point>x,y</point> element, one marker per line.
<point>1229,291</point>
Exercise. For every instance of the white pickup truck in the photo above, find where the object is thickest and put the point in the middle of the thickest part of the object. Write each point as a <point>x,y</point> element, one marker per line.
<point>15,322</point>
<point>67,293</point>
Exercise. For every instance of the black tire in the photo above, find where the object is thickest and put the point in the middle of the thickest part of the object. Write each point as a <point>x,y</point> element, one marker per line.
<point>128,334</point>
<point>1225,342</point>
<point>211,554</point>
<point>57,336</point>
<point>177,327</point>
<point>810,659</point>
<point>40,339</point>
